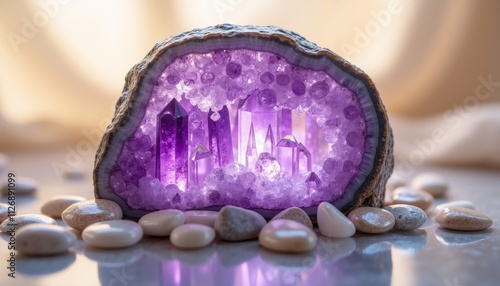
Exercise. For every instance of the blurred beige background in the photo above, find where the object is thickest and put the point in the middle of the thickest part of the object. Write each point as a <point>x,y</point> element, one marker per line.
<point>436,64</point>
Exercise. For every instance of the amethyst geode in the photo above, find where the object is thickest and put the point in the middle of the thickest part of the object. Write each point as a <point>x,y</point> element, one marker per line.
<point>256,117</point>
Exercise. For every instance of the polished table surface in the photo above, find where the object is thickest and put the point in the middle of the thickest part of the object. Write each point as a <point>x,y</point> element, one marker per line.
<point>427,256</point>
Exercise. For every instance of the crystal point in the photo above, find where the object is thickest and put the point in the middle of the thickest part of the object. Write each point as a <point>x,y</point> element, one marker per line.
<point>269,141</point>
<point>304,161</point>
<point>251,152</point>
<point>288,155</point>
<point>219,136</point>
<point>201,164</point>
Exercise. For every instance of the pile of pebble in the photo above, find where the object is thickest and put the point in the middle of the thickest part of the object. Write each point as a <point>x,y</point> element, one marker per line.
<point>291,231</point>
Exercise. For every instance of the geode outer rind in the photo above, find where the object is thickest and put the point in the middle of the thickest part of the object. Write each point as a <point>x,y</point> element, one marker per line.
<point>130,108</point>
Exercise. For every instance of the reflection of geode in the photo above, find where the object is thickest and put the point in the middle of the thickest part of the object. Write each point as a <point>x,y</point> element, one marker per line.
<point>125,167</point>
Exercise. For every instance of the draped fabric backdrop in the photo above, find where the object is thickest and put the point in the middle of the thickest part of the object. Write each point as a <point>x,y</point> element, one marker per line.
<point>436,64</point>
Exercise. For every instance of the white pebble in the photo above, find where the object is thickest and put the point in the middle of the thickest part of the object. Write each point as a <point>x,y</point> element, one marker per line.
<point>56,205</point>
<point>431,183</point>
<point>82,214</point>
<point>23,187</point>
<point>463,204</point>
<point>284,235</point>
<point>112,234</point>
<point>201,217</point>
<point>18,221</point>
<point>44,239</point>
<point>161,223</point>
<point>333,223</point>
<point>192,236</point>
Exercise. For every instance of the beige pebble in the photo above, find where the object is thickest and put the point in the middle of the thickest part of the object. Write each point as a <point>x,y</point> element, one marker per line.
<point>333,223</point>
<point>44,239</point>
<point>18,221</point>
<point>295,214</point>
<point>410,196</point>
<point>236,224</point>
<point>462,204</point>
<point>372,220</point>
<point>431,183</point>
<point>201,217</point>
<point>161,223</point>
<point>56,205</point>
<point>394,181</point>
<point>112,234</point>
<point>4,211</point>
<point>457,218</point>
<point>283,235</point>
<point>82,214</point>
<point>407,217</point>
<point>192,236</point>
<point>23,187</point>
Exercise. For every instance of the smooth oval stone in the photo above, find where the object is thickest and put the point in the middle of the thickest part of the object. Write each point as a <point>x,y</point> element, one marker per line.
<point>284,235</point>
<point>44,239</point>
<point>332,222</point>
<point>235,224</point>
<point>4,211</point>
<point>56,205</point>
<point>295,214</point>
<point>192,236</point>
<point>457,218</point>
<point>82,214</point>
<point>25,219</point>
<point>201,217</point>
<point>407,217</point>
<point>409,196</point>
<point>24,186</point>
<point>161,223</point>
<point>372,220</point>
<point>394,181</point>
<point>112,234</point>
<point>462,204</point>
<point>431,183</point>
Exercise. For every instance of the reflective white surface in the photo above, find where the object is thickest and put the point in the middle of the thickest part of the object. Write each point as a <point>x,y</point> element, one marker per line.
<point>427,256</point>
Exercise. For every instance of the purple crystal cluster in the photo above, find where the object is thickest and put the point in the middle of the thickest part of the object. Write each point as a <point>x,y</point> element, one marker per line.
<point>241,127</point>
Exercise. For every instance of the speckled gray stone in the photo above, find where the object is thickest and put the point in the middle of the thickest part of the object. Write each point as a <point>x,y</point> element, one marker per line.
<point>457,218</point>
<point>295,214</point>
<point>25,219</point>
<point>235,224</point>
<point>407,217</point>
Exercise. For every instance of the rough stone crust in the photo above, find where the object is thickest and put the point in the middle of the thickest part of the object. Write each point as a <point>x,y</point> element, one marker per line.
<point>371,192</point>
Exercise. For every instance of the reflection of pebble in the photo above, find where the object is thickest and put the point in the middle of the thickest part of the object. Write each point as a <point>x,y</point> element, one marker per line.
<point>112,234</point>
<point>283,235</point>
<point>371,220</point>
<point>24,187</point>
<point>431,183</point>
<point>463,204</point>
<point>25,219</point>
<point>410,242</point>
<point>56,205</point>
<point>45,265</point>
<point>407,217</point>
<point>295,214</point>
<point>44,239</point>
<point>456,238</point>
<point>331,250</point>
<point>116,258</point>
<point>458,218</point>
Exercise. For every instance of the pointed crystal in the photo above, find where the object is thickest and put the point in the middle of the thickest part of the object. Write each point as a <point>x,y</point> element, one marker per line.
<point>313,181</point>
<point>269,141</point>
<point>201,164</point>
<point>251,152</point>
<point>172,145</point>
<point>288,155</point>
<point>305,162</point>
<point>219,136</point>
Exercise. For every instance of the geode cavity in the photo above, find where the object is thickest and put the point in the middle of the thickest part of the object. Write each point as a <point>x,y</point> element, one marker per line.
<point>256,117</point>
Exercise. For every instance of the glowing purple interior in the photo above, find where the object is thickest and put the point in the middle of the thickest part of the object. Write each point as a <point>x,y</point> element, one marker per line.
<point>241,127</point>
